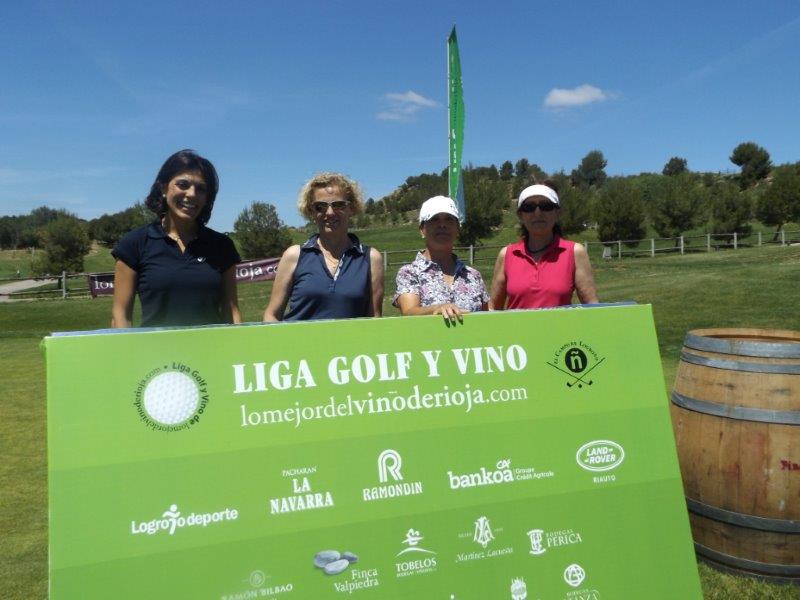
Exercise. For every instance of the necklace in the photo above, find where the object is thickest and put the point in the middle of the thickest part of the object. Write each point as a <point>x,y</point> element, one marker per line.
<point>537,250</point>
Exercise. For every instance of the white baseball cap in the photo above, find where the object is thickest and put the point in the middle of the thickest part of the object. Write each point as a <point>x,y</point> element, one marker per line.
<point>538,190</point>
<point>438,204</point>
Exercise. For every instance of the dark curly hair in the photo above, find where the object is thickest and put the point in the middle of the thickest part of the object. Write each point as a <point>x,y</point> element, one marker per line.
<point>181,161</point>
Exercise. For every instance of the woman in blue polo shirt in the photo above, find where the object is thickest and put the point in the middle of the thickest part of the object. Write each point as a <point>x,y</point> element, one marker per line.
<point>332,275</point>
<point>183,272</point>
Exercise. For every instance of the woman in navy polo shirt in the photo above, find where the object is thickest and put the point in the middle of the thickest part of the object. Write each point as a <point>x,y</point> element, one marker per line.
<point>332,275</point>
<point>183,272</point>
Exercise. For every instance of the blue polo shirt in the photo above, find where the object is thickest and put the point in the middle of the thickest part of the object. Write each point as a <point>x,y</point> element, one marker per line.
<point>316,294</point>
<point>174,287</point>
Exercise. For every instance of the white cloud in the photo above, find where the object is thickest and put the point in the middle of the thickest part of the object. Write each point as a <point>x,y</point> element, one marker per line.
<point>403,107</point>
<point>577,96</point>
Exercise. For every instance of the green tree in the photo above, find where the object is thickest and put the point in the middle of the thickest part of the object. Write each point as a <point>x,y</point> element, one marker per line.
<point>675,166</point>
<point>108,229</point>
<point>731,209</point>
<point>260,233</point>
<point>677,205</point>
<point>485,200</point>
<point>507,171</point>
<point>619,212</point>
<point>532,174</point>
<point>754,162</point>
<point>575,204</point>
<point>780,202</point>
<point>521,167</point>
<point>65,242</point>
<point>591,171</point>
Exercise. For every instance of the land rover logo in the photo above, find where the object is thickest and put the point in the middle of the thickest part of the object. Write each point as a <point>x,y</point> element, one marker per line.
<point>600,455</point>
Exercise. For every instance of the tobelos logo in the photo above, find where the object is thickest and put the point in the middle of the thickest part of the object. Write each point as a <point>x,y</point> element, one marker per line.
<point>171,398</point>
<point>577,361</point>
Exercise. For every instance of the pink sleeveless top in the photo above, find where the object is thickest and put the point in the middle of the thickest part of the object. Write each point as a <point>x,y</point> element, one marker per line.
<point>548,283</point>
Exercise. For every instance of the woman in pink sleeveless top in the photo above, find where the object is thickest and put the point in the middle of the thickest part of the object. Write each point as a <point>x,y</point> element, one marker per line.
<point>543,269</point>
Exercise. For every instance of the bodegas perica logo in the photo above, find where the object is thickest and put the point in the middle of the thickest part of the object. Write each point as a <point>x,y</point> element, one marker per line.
<point>577,361</point>
<point>171,397</point>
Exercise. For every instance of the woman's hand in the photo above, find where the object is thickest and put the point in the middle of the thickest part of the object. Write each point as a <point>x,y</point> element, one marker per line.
<point>450,312</point>
<point>409,305</point>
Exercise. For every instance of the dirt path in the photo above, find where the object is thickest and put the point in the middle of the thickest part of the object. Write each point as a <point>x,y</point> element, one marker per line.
<point>22,284</point>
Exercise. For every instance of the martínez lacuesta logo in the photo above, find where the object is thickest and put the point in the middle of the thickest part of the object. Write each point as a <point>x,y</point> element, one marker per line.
<point>172,397</point>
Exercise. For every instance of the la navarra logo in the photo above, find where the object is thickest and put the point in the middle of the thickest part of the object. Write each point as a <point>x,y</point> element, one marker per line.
<point>577,362</point>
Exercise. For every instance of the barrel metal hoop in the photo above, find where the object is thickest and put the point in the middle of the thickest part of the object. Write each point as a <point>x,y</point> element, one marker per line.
<point>741,519</point>
<point>735,365</point>
<point>740,413</point>
<point>743,563</point>
<point>718,566</point>
<point>742,348</point>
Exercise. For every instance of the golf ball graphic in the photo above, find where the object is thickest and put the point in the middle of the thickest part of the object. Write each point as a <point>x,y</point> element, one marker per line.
<point>171,398</point>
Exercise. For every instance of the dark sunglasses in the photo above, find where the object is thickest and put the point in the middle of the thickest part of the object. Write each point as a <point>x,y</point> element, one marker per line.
<point>529,207</point>
<point>185,184</point>
<point>337,205</point>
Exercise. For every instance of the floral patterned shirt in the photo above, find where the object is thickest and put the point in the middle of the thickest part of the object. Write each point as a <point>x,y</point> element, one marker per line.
<point>425,279</point>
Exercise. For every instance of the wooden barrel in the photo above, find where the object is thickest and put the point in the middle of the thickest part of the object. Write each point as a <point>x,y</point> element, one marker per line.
<point>736,415</point>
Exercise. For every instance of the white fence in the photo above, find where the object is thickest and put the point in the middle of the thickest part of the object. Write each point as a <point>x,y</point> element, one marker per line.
<point>60,286</point>
<point>619,249</point>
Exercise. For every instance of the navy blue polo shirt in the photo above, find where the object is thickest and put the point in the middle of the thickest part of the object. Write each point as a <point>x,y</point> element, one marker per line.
<point>174,287</point>
<point>316,294</point>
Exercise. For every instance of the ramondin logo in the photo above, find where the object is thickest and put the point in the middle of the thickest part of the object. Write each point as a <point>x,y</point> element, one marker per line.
<point>576,360</point>
<point>389,465</point>
<point>172,520</point>
<point>600,455</point>
<point>171,398</point>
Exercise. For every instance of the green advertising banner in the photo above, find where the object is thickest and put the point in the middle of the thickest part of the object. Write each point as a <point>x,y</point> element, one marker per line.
<point>455,107</point>
<point>521,455</point>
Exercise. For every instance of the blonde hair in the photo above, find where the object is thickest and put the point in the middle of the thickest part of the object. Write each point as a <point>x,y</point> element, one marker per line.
<point>349,188</point>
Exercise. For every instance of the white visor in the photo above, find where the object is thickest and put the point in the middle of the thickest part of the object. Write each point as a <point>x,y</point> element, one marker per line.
<point>438,204</point>
<point>538,190</point>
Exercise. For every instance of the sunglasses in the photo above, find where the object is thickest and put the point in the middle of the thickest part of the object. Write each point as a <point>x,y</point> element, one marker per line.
<point>185,184</point>
<point>337,205</point>
<point>529,207</point>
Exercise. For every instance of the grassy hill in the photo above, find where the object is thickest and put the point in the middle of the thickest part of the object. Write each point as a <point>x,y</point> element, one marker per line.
<point>755,287</point>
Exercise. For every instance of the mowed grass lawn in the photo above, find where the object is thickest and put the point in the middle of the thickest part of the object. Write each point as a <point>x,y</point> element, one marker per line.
<point>756,287</point>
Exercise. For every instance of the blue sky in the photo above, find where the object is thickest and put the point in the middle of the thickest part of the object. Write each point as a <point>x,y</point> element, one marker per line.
<point>95,95</point>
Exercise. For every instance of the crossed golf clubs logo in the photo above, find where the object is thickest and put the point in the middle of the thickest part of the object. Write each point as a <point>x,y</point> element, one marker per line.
<point>576,363</point>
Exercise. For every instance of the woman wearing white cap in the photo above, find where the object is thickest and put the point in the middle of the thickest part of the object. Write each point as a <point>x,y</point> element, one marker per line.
<point>437,282</point>
<point>543,269</point>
